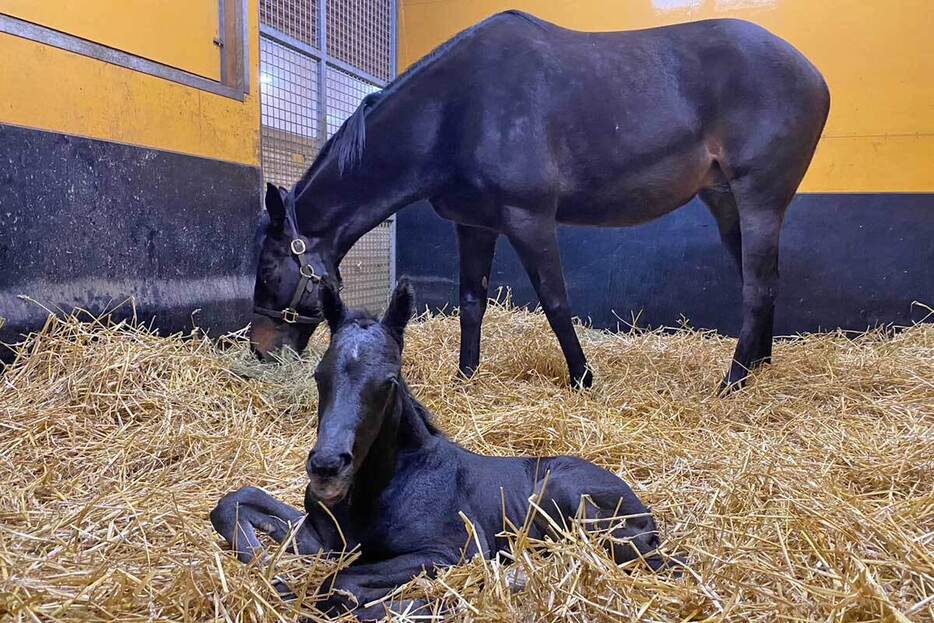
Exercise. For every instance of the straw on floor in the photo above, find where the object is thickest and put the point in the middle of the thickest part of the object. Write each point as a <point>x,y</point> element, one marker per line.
<point>807,496</point>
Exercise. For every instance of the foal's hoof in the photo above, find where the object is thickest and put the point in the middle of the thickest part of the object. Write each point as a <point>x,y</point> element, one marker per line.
<point>585,381</point>
<point>674,564</point>
<point>517,579</point>
<point>338,602</point>
<point>403,608</point>
<point>285,593</point>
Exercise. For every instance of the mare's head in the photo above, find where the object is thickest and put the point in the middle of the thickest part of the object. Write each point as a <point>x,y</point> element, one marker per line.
<point>358,383</point>
<point>291,269</point>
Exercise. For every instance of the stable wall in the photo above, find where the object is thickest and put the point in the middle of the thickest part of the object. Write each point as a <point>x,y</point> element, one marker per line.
<point>117,183</point>
<point>858,244</point>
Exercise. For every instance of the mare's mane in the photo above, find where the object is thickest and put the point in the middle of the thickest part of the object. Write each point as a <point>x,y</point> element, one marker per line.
<point>350,139</point>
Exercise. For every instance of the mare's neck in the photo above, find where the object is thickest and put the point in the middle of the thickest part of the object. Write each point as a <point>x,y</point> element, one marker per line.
<point>335,208</point>
<point>404,430</point>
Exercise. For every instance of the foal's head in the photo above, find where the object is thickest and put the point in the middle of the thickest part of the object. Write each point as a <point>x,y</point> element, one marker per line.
<point>358,380</point>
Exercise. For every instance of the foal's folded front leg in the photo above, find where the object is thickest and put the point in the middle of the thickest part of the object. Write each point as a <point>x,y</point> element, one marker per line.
<point>240,514</point>
<point>357,585</point>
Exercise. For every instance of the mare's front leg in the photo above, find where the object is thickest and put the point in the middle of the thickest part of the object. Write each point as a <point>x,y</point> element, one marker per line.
<point>475,247</point>
<point>240,514</point>
<point>535,239</point>
<point>372,581</point>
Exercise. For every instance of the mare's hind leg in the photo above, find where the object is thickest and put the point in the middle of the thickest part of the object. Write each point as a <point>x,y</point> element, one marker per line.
<point>761,212</point>
<point>723,207</point>
<point>572,486</point>
<point>475,248</point>
<point>240,514</point>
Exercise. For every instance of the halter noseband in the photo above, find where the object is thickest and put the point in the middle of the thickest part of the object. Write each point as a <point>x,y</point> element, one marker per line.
<point>306,273</point>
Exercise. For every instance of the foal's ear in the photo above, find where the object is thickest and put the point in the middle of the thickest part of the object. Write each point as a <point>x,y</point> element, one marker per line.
<point>400,309</point>
<point>275,205</point>
<point>331,305</point>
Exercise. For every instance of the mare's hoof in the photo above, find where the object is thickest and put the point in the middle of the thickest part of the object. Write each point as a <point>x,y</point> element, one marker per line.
<point>738,375</point>
<point>764,361</point>
<point>728,388</point>
<point>734,381</point>
<point>464,375</point>
<point>584,381</point>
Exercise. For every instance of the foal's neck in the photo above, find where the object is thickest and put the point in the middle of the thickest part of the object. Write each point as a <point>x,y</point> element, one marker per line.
<point>404,430</point>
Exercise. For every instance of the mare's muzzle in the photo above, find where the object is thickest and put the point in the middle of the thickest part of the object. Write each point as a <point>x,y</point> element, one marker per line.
<point>268,336</point>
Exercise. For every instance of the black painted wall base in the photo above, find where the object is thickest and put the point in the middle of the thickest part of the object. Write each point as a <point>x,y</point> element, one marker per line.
<point>88,223</point>
<point>847,261</point>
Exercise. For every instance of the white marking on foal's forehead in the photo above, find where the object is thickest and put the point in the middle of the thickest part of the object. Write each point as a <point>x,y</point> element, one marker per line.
<point>359,341</point>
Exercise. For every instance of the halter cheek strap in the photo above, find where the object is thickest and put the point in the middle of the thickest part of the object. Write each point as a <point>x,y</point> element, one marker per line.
<point>306,273</point>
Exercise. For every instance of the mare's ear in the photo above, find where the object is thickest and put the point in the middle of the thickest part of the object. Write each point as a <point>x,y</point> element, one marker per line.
<point>275,205</point>
<point>400,309</point>
<point>332,305</point>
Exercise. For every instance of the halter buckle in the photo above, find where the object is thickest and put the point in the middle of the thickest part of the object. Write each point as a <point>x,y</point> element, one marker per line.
<point>298,246</point>
<point>309,273</point>
<point>290,315</point>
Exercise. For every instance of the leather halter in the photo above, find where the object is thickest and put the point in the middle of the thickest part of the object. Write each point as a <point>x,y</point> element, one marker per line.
<point>307,275</point>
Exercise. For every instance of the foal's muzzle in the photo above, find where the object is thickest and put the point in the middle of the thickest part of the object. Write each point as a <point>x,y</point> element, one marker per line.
<point>329,476</point>
<point>327,465</point>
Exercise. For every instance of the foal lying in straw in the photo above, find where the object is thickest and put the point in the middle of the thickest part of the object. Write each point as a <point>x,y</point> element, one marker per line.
<point>399,490</point>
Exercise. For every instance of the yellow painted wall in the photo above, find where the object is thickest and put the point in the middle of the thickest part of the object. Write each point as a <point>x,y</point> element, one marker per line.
<point>140,27</point>
<point>877,57</point>
<point>52,89</point>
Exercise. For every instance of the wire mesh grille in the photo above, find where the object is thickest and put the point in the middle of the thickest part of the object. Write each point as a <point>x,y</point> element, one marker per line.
<point>296,18</point>
<point>344,94</point>
<point>289,112</point>
<point>365,270</point>
<point>359,34</point>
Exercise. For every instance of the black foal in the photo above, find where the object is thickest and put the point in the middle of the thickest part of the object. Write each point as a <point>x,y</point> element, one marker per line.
<point>396,485</point>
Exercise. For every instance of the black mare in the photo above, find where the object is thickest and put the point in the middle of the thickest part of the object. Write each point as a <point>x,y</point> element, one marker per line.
<point>516,125</point>
<point>396,485</point>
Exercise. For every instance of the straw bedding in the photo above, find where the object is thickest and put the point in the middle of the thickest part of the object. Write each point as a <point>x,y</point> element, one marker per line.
<point>807,496</point>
